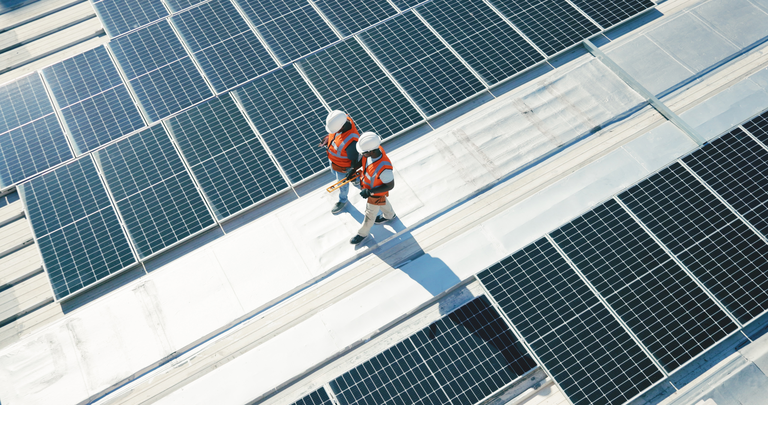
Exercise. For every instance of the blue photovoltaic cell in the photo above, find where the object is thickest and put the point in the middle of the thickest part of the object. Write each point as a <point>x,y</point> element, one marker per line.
<point>223,43</point>
<point>76,227</point>
<point>32,148</point>
<point>22,101</point>
<point>350,16</point>
<point>318,397</point>
<point>480,36</point>
<point>661,304</point>
<point>225,156</point>
<point>349,80</point>
<point>758,127</point>
<point>428,71</point>
<point>723,253</point>
<point>592,358</point>
<point>95,104</point>
<point>405,4</point>
<point>120,16</point>
<point>290,119</point>
<point>291,28</point>
<point>608,13</point>
<point>154,192</point>
<point>553,25</point>
<point>164,78</point>
<point>177,5</point>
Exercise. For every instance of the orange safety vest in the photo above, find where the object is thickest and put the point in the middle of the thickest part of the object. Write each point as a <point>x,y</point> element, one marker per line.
<point>371,172</point>
<point>337,147</point>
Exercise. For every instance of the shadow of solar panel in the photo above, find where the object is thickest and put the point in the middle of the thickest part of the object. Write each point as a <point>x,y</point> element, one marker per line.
<point>76,227</point>
<point>225,156</point>
<point>736,167</point>
<point>221,41</point>
<point>318,397</point>
<point>481,37</point>
<point>349,79</point>
<point>121,16</point>
<point>31,149</point>
<point>177,5</point>
<point>290,119</point>
<point>95,105</point>
<point>350,16</point>
<point>553,25</point>
<point>428,71</point>
<point>23,101</point>
<point>608,13</point>
<point>461,359</point>
<point>153,191</point>
<point>723,253</point>
<point>589,354</point>
<point>661,304</point>
<point>291,28</point>
<point>164,78</point>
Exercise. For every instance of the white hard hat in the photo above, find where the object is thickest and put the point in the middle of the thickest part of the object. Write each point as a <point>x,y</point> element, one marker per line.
<point>335,121</point>
<point>368,141</point>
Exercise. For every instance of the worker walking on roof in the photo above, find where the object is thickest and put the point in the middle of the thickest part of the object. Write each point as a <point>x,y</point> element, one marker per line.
<point>376,182</point>
<point>341,146</point>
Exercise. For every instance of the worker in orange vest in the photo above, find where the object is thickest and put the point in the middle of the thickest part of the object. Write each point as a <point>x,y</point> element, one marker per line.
<point>341,146</point>
<point>377,180</point>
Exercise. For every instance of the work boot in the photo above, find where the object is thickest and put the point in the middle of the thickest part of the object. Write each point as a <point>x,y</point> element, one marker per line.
<point>356,239</point>
<point>338,207</point>
<point>380,219</point>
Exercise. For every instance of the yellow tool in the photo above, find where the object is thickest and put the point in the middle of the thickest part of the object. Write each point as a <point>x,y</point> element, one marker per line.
<point>342,182</point>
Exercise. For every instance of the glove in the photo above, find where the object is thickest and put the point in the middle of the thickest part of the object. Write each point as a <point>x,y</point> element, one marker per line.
<point>365,193</point>
<point>324,142</point>
<point>351,173</point>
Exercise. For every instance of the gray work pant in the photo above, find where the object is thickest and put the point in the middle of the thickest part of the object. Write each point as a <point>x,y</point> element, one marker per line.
<point>371,211</point>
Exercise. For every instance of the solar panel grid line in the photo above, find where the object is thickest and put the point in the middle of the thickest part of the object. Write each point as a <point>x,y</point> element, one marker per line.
<point>331,394</point>
<point>326,19</point>
<point>131,91</point>
<point>426,365</point>
<point>258,34</point>
<point>514,27</point>
<point>311,86</point>
<point>391,3</point>
<point>627,10</point>
<point>762,144</point>
<point>191,56</point>
<point>451,49</point>
<point>605,303</point>
<point>678,261</point>
<point>585,15</point>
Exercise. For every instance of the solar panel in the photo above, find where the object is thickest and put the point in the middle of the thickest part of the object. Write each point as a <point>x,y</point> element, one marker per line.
<point>221,41</point>
<point>23,101</point>
<point>589,354</point>
<point>660,303</point>
<point>460,359</point>
<point>158,68</point>
<point>349,79</point>
<point>493,48</point>
<point>153,191</point>
<point>291,28</point>
<point>406,4</point>
<point>728,258</point>
<point>553,25</point>
<point>32,148</point>
<point>318,397</point>
<point>427,69</point>
<point>350,16</point>
<point>95,105</point>
<point>121,16</point>
<point>177,5</point>
<point>608,13</point>
<point>290,119</point>
<point>76,227</point>
<point>225,156</point>
<point>758,127</point>
<point>736,167</point>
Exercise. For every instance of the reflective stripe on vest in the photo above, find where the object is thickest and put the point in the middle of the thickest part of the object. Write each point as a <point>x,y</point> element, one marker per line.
<point>337,145</point>
<point>341,149</point>
<point>371,178</point>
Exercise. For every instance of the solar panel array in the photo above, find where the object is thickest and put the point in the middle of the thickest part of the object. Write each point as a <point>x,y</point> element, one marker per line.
<point>641,285</point>
<point>460,359</point>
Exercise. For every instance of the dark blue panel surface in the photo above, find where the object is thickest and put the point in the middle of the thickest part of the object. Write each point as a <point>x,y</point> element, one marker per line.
<point>22,101</point>
<point>31,149</point>
<point>758,127</point>
<point>725,255</point>
<point>290,119</point>
<point>405,4</point>
<point>291,28</point>
<point>349,80</point>
<point>318,397</point>
<point>153,191</point>
<point>177,5</point>
<point>120,16</point>
<point>608,13</point>
<point>82,76</point>
<point>76,227</point>
<point>221,41</point>
<point>350,16</point>
<point>428,71</point>
<point>491,46</point>
<point>225,156</point>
